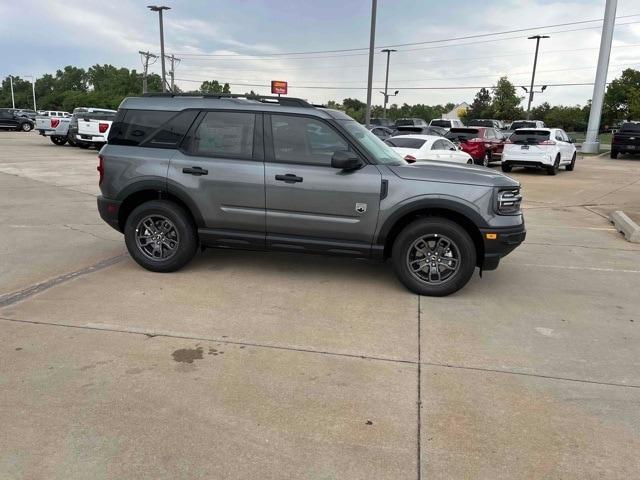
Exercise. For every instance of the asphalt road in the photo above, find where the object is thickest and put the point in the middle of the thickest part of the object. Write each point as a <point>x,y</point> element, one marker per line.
<point>271,366</point>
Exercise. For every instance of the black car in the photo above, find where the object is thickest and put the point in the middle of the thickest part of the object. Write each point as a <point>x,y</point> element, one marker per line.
<point>10,121</point>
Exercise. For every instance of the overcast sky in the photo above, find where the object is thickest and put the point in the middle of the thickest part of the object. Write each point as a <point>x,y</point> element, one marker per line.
<point>40,36</point>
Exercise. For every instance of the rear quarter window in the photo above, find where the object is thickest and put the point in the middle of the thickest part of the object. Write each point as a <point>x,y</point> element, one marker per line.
<point>132,127</point>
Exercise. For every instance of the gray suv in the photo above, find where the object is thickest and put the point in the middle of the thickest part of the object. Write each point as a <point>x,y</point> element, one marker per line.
<point>268,173</point>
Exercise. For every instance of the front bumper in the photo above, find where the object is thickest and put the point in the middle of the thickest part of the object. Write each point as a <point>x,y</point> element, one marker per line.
<point>506,240</point>
<point>109,211</point>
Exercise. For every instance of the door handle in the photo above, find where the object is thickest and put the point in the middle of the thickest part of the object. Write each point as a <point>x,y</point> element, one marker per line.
<point>197,171</point>
<point>289,178</point>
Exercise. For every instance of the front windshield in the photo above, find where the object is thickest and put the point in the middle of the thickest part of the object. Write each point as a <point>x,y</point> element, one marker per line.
<point>382,152</point>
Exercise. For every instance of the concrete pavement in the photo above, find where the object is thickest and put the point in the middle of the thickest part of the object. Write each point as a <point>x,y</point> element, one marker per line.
<point>248,364</point>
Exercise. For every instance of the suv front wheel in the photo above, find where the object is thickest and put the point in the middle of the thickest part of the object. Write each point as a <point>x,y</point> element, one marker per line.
<point>434,256</point>
<point>160,236</point>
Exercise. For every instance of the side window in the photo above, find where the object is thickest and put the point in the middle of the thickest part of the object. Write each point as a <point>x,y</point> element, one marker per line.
<point>559,136</point>
<point>224,134</point>
<point>438,145</point>
<point>132,127</point>
<point>448,145</point>
<point>304,140</point>
<point>172,132</point>
<point>489,133</point>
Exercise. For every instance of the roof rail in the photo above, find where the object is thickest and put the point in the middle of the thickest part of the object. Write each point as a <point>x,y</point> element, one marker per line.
<point>284,101</point>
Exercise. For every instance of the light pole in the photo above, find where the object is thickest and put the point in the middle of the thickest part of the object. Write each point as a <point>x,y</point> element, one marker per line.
<point>533,75</point>
<point>591,143</point>
<point>159,9</point>
<point>13,100</point>
<point>386,81</point>
<point>33,89</point>
<point>372,41</point>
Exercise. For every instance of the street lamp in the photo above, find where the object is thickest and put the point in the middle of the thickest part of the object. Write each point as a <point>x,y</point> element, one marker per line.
<point>386,81</point>
<point>159,9</point>
<point>533,74</point>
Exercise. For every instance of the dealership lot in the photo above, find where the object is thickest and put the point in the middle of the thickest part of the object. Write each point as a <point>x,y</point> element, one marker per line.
<point>286,366</point>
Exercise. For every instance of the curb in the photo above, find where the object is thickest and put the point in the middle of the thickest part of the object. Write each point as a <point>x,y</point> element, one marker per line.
<point>626,226</point>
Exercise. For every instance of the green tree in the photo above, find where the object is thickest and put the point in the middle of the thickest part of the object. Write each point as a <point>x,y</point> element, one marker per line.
<point>480,107</point>
<point>213,86</point>
<point>622,99</point>
<point>505,104</point>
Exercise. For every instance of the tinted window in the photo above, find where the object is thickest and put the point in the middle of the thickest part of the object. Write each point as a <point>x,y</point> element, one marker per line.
<point>304,140</point>
<point>131,127</point>
<point>224,134</point>
<point>529,136</point>
<point>404,142</point>
<point>441,123</point>
<point>516,125</point>
<point>462,134</point>
<point>630,127</point>
<point>480,123</point>
<point>379,150</point>
<point>172,132</point>
<point>404,122</point>
<point>439,145</point>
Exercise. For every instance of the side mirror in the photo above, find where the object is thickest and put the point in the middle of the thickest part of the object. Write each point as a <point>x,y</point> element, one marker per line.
<point>345,160</point>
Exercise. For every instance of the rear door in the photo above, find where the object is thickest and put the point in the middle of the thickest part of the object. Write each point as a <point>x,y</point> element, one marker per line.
<point>309,204</point>
<point>440,151</point>
<point>220,169</point>
<point>7,120</point>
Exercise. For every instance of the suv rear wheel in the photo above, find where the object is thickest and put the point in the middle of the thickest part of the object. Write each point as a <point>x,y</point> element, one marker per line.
<point>553,169</point>
<point>434,256</point>
<point>160,236</point>
<point>614,153</point>
<point>572,166</point>
<point>26,127</point>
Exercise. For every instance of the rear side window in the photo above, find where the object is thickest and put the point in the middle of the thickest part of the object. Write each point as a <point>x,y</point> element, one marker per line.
<point>403,142</point>
<point>132,127</point>
<point>224,134</point>
<point>173,131</point>
<point>529,136</point>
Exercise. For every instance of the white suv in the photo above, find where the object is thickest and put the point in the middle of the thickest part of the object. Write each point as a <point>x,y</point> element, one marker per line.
<point>547,148</point>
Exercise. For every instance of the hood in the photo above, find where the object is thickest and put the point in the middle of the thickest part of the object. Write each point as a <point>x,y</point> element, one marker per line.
<point>454,173</point>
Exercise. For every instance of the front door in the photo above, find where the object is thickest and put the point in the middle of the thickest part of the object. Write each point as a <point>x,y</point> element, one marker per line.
<point>309,204</point>
<point>220,169</point>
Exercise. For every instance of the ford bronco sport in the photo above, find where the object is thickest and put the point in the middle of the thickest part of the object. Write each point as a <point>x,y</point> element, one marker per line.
<point>180,172</point>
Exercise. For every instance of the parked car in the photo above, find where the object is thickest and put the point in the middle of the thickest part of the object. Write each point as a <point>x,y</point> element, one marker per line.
<point>485,122</point>
<point>65,129</point>
<point>546,148</point>
<point>10,121</point>
<point>43,121</point>
<point>383,122</point>
<point>420,148</point>
<point>484,144</point>
<point>93,129</point>
<point>381,132</point>
<point>446,123</point>
<point>410,122</point>
<point>179,172</point>
<point>410,130</point>
<point>626,139</point>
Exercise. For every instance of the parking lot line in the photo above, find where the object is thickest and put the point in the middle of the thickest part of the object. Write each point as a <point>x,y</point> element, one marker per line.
<point>567,267</point>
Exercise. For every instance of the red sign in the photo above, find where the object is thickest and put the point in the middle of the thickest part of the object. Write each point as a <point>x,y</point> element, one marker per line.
<point>278,87</point>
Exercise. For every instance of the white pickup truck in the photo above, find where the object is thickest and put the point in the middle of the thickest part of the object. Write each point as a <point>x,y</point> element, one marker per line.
<point>94,131</point>
<point>50,120</point>
<point>65,130</point>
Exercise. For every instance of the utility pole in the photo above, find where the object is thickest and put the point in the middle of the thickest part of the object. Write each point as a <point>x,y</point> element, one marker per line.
<point>172,73</point>
<point>33,90</point>
<point>13,100</point>
<point>160,9</point>
<point>591,143</point>
<point>145,64</point>
<point>386,81</point>
<point>372,41</point>
<point>533,75</point>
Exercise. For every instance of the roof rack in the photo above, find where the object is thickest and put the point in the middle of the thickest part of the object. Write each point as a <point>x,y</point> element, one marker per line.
<point>284,101</point>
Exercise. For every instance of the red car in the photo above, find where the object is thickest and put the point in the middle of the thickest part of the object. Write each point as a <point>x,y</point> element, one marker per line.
<point>484,144</point>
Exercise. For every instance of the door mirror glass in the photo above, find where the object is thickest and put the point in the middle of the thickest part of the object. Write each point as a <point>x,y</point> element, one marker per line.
<point>345,160</point>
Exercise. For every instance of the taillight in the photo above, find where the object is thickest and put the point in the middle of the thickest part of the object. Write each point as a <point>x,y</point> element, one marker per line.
<point>102,127</point>
<point>100,168</point>
<point>55,122</point>
<point>548,142</point>
<point>410,158</point>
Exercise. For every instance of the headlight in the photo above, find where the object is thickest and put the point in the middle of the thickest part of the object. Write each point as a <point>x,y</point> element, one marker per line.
<point>508,201</point>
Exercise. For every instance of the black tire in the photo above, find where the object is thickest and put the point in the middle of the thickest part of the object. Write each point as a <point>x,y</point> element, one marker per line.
<point>614,154</point>
<point>434,228</point>
<point>572,166</point>
<point>71,141</point>
<point>186,238</point>
<point>506,168</point>
<point>83,145</point>
<point>552,170</point>
<point>26,127</point>
<point>58,140</point>
<point>486,160</point>
<point>470,162</point>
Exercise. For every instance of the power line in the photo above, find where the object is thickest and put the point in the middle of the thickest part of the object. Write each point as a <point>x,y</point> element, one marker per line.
<point>466,37</point>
